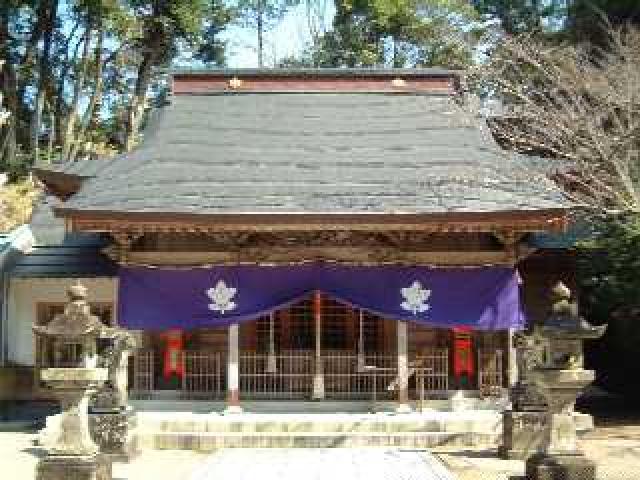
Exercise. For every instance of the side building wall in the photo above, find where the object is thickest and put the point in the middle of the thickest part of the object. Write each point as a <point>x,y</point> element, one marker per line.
<point>24,296</point>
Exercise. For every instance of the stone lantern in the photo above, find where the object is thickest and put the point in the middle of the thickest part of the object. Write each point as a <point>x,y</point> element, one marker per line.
<point>111,420</point>
<point>524,423</point>
<point>73,337</point>
<point>560,377</point>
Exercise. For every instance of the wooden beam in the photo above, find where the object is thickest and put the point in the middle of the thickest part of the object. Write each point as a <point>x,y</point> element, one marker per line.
<point>523,222</point>
<point>292,255</point>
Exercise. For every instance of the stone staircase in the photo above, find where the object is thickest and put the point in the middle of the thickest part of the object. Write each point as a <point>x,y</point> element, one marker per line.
<point>212,431</point>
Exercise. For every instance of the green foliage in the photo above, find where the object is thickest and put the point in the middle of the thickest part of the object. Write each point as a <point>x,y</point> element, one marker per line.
<point>609,274</point>
<point>269,12</point>
<point>521,16</point>
<point>399,33</point>
<point>589,19</point>
<point>89,87</point>
<point>609,266</point>
<point>212,49</point>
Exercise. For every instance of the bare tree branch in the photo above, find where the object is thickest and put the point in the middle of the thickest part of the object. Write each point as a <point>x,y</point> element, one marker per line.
<point>579,106</point>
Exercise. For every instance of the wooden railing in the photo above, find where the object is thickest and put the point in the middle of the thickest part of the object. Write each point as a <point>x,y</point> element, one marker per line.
<point>431,368</point>
<point>142,380</point>
<point>291,378</point>
<point>204,374</point>
<point>345,377</point>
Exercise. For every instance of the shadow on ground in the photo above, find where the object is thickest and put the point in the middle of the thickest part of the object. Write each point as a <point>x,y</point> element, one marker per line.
<point>35,452</point>
<point>610,410</point>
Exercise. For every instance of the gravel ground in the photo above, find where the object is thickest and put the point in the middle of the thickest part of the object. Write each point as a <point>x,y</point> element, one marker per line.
<point>19,456</point>
<point>616,449</point>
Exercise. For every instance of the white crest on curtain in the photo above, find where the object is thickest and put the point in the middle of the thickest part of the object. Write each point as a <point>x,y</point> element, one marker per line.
<point>222,297</point>
<point>415,298</point>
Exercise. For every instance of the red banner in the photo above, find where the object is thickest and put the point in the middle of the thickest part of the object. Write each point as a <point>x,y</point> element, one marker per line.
<point>173,352</point>
<point>463,353</point>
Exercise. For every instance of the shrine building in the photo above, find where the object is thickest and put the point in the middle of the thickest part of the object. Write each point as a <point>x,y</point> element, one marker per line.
<point>295,236</point>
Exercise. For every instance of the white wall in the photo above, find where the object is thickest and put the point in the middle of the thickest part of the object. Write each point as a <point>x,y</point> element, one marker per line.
<point>26,293</point>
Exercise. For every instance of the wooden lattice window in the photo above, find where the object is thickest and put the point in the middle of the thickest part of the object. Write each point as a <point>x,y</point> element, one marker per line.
<point>372,331</point>
<point>301,326</point>
<point>263,329</point>
<point>294,328</point>
<point>335,334</point>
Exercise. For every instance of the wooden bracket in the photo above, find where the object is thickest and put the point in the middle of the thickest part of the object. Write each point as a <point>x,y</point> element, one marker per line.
<point>510,240</point>
<point>122,246</point>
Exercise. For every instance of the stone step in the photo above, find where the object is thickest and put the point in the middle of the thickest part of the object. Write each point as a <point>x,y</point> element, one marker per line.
<point>210,441</point>
<point>322,424</point>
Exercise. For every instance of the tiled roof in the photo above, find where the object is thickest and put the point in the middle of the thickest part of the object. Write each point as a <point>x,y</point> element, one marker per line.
<point>56,254</point>
<point>350,153</point>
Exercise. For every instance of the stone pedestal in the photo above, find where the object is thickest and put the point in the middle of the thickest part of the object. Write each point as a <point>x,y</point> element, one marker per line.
<point>74,467</point>
<point>560,467</point>
<point>113,431</point>
<point>560,458</point>
<point>72,387</point>
<point>523,434</point>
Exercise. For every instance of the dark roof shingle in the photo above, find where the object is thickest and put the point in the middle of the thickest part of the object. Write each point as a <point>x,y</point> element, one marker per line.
<point>315,153</point>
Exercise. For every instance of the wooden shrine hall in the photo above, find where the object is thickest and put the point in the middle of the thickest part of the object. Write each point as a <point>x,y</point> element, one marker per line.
<point>308,235</point>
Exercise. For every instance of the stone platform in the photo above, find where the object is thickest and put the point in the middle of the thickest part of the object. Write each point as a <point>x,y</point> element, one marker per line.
<point>202,426</point>
<point>212,431</point>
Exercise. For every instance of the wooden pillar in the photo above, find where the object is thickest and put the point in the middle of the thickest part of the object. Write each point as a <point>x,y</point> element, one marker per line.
<point>318,377</point>
<point>512,360</point>
<point>403,367</point>
<point>233,371</point>
<point>272,366</point>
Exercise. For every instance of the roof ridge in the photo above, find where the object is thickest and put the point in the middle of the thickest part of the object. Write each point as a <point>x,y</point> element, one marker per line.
<point>312,72</point>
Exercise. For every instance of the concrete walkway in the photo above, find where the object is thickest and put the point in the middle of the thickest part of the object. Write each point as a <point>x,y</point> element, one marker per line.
<point>322,464</point>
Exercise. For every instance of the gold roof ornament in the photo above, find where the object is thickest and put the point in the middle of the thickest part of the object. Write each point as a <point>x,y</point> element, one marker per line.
<point>235,83</point>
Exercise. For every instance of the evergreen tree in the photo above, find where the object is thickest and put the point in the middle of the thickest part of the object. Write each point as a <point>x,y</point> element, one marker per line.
<point>399,33</point>
<point>520,16</point>
<point>78,73</point>
<point>608,267</point>
<point>589,20</point>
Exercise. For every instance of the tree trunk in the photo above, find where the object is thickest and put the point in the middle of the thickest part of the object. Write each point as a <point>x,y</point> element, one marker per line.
<point>52,135</point>
<point>9,145</point>
<point>260,33</point>
<point>30,51</point>
<point>60,105</point>
<point>96,96</point>
<point>138,101</point>
<point>51,12</point>
<point>81,76</point>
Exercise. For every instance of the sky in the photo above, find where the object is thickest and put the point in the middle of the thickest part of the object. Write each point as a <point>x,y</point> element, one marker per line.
<point>289,38</point>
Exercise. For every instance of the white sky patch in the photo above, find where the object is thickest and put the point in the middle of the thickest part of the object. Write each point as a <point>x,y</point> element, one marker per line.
<point>289,38</point>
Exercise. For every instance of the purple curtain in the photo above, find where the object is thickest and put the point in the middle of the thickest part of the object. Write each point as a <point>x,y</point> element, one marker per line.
<point>483,298</point>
